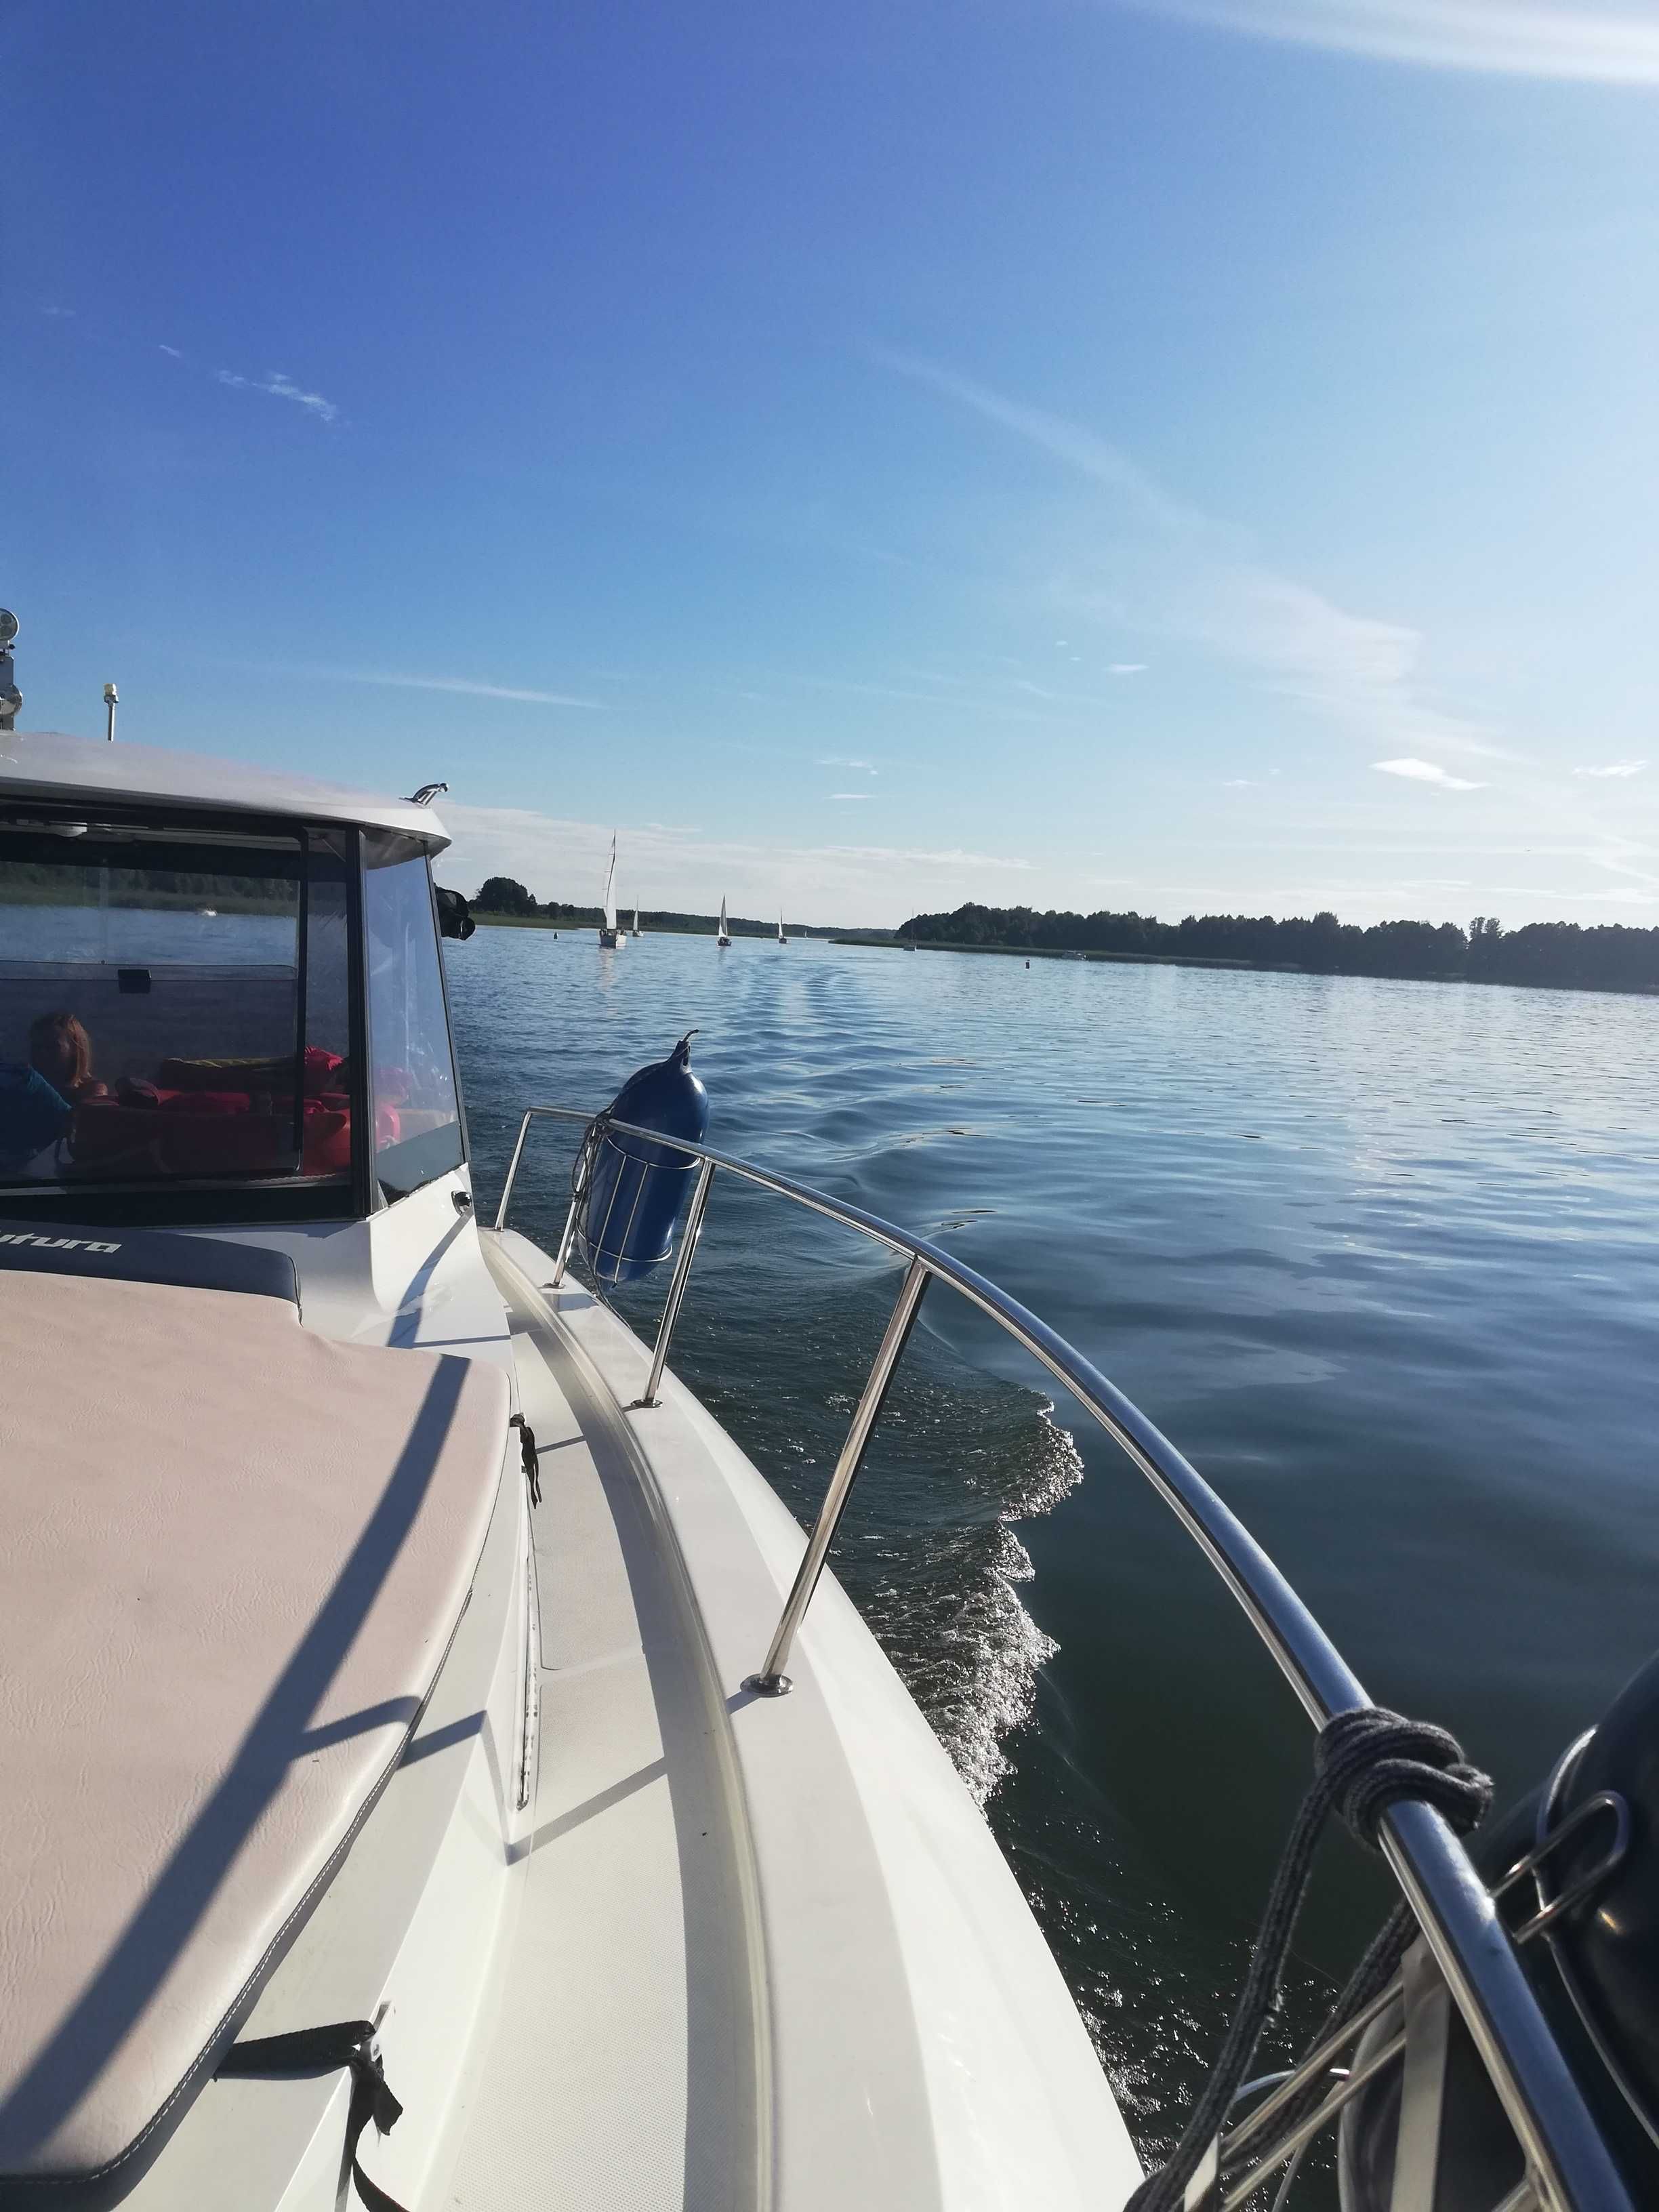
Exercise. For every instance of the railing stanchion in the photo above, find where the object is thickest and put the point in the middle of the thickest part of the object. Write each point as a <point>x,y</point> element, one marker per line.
<point>671,1312</point>
<point>772,1682</point>
<point>512,1170</point>
<point>562,1259</point>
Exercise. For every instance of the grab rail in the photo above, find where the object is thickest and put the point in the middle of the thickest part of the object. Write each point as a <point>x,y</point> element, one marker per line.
<point>1567,2162</point>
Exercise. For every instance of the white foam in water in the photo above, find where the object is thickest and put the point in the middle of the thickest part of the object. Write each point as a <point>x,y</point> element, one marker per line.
<point>1001,1648</point>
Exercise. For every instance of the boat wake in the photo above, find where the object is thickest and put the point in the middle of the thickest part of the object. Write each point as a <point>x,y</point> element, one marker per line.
<point>928,1548</point>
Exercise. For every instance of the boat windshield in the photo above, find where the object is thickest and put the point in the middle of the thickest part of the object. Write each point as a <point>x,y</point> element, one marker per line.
<point>174,1008</point>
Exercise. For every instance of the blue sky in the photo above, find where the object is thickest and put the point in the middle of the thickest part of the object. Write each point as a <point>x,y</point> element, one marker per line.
<point>1190,454</point>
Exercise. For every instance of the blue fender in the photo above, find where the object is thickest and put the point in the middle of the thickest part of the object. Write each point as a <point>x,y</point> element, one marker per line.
<point>631,1192</point>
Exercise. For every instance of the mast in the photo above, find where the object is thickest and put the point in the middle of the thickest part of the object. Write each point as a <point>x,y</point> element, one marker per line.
<point>609,886</point>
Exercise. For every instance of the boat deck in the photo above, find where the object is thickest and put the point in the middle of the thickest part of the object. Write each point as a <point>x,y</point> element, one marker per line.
<point>767,1952</point>
<point>640,2094</point>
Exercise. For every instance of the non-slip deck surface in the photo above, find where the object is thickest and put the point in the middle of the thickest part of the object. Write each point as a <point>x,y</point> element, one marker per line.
<point>619,2076</point>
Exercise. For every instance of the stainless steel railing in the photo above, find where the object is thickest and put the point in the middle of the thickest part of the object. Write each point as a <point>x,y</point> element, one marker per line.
<point>1570,2167</point>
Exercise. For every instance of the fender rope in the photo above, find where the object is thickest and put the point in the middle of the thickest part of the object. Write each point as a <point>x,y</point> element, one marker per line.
<point>1363,1762</point>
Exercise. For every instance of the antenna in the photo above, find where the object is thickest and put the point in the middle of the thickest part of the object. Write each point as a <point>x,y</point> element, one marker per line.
<point>10,698</point>
<point>112,701</point>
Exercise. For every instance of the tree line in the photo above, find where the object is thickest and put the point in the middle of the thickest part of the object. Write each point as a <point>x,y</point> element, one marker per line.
<point>504,896</point>
<point>1607,956</point>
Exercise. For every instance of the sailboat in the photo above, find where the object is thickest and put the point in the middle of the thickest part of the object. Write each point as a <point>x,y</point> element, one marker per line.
<point>723,935</point>
<point>609,933</point>
<point>782,939</point>
<point>638,931</point>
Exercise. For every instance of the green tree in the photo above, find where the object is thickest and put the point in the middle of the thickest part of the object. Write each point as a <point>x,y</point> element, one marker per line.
<point>501,895</point>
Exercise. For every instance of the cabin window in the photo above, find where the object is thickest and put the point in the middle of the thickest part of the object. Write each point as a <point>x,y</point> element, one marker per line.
<point>173,1009</point>
<point>417,1117</point>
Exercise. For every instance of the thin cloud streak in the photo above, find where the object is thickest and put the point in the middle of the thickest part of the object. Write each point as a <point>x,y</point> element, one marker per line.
<point>281,386</point>
<point>1186,575</point>
<point>467,688</point>
<point>1614,768</point>
<point>1559,39</point>
<point>1422,771</point>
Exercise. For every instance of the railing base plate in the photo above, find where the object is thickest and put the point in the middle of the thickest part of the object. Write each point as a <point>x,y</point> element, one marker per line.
<point>768,1685</point>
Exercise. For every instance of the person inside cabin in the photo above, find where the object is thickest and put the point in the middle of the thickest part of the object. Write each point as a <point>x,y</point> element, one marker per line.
<point>33,1116</point>
<point>60,1051</point>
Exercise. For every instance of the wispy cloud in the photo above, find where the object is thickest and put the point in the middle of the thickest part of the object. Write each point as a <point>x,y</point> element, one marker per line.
<point>1614,768</point>
<point>1567,39</point>
<point>1422,771</point>
<point>684,868</point>
<point>279,386</point>
<point>173,350</point>
<point>1178,571</point>
<point>397,681</point>
<point>850,795</point>
<point>1127,668</point>
<point>64,315</point>
<point>838,760</point>
<point>920,857</point>
<point>998,710</point>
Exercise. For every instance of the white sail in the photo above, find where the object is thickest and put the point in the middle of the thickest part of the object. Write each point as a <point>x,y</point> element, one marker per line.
<point>637,922</point>
<point>782,939</point>
<point>723,935</point>
<point>610,887</point>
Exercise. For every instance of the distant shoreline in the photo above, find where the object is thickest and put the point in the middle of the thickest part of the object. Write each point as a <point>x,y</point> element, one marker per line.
<point>1245,967</point>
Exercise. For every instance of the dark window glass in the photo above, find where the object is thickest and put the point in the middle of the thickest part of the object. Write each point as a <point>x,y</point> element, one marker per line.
<point>158,1026</point>
<point>418,1120</point>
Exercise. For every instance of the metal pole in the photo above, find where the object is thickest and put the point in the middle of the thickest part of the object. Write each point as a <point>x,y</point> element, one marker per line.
<point>562,1260</point>
<point>11,699</point>
<point>513,1171</point>
<point>671,1312</point>
<point>112,700</point>
<point>771,1681</point>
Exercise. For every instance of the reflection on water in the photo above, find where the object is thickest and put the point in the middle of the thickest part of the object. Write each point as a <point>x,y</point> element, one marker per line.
<point>1379,1256</point>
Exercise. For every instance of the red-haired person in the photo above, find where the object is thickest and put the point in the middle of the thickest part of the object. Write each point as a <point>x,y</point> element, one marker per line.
<point>61,1050</point>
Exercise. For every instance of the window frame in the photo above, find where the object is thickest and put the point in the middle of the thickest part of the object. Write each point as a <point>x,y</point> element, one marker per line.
<point>383,1193</point>
<point>200,1201</point>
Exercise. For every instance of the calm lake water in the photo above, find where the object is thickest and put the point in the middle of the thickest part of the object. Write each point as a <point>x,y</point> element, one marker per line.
<point>1380,1257</point>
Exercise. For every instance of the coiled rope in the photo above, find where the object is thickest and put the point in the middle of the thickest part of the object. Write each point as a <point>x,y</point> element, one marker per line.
<point>1363,1762</point>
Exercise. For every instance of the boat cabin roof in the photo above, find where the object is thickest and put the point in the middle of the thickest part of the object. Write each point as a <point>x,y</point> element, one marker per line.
<point>46,765</point>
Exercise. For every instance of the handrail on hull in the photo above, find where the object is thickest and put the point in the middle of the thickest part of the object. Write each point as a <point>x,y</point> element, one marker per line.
<point>1570,2166</point>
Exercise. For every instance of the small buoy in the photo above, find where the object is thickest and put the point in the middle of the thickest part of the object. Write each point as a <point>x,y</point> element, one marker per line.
<point>630,1192</point>
<point>1028,963</point>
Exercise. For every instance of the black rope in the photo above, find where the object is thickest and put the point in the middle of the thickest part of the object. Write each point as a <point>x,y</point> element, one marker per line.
<point>1363,1762</point>
<point>320,2050</point>
<point>533,1474</point>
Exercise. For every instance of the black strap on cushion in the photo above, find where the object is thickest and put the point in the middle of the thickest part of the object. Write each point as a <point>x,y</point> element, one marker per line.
<point>320,2050</point>
<point>533,1472</point>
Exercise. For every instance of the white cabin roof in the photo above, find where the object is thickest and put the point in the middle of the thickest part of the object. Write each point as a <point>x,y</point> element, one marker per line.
<point>45,765</point>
